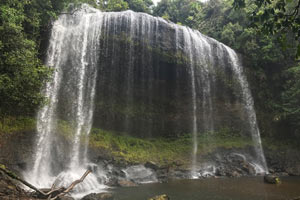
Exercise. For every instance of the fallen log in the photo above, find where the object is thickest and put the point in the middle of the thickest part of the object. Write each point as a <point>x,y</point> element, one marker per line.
<point>51,194</point>
<point>14,176</point>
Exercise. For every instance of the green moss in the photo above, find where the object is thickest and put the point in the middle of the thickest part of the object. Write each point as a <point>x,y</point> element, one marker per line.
<point>160,150</point>
<point>10,125</point>
<point>163,151</point>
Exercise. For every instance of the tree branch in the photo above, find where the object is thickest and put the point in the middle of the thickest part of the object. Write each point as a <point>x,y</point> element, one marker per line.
<point>54,193</point>
<point>66,191</point>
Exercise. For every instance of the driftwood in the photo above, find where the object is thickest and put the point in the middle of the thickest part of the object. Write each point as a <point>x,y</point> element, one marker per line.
<point>68,189</point>
<point>53,193</point>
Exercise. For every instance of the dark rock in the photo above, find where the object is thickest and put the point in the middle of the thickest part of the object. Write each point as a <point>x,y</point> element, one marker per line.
<point>16,158</point>
<point>220,171</point>
<point>99,196</point>
<point>9,189</point>
<point>180,174</point>
<point>272,171</point>
<point>236,174</point>
<point>236,158</point>
<point>294,170</point>
<point>283,159</point>
<point>151,165</point>
<point>272,179</point>
<point>160,197</point>
<point>283,174</point>
<point>248,168</point>
<point>112,182</point>
<point>162,175</point>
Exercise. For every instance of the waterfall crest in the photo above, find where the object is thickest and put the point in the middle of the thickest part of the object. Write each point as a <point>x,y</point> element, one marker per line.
<point>134,73</point>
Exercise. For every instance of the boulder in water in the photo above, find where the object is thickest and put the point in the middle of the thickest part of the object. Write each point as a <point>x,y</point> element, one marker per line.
<point>160,197</point>
<point>151,165</point>
<point>100,196</point>
<point>272,179</point>
<point>293,170</point>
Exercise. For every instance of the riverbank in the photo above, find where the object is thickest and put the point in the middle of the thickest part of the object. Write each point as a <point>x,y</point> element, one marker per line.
<point>243,188</point>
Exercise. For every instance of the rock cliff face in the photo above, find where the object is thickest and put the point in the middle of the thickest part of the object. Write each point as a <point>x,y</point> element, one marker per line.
<point>153,78</point>
<point>17,149</point>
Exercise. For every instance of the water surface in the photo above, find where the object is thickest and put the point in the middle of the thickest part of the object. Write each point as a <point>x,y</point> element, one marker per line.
<point>245,188</point>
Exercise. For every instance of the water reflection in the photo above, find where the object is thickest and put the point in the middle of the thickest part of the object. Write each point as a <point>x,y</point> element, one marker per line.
<point>245,188</point>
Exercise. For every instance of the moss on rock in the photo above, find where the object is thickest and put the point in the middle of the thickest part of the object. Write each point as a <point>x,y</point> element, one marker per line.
<point>163,151</point>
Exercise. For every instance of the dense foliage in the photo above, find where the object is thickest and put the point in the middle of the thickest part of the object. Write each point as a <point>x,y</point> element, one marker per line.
<point>275,16</point>
<point>119,5</point>
<point>21,71</point>
<point>184,12</point>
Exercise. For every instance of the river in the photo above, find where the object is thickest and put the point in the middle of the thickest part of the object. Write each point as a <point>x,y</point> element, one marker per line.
<point>245,188</point>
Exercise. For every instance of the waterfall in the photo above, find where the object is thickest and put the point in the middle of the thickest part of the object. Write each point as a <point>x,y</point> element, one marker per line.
<point>72,55</point>
<point>188,41</point>
<point>138,75</point>
<point>249,106</point>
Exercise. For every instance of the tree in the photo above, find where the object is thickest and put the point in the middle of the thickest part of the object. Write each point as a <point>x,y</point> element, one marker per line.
<point>113,5</point>
<point>21,72</point>
<point>120,5</point>
<point>184,12</point>
<point>275,16</point>
<point>289,109</point>
<point>140,5</point>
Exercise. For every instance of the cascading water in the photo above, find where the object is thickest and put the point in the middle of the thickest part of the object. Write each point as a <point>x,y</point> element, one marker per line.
<point>72,55</point>
<point>140,75</point>
<point>249,107</point>
<point>198,50</point>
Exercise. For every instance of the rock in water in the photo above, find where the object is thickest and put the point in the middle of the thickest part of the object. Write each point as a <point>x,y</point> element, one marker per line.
<point>100,196</point>
<point>160,197</point>
<point>272,179</point>
<point>151,165</point>
<point>125,183</point>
